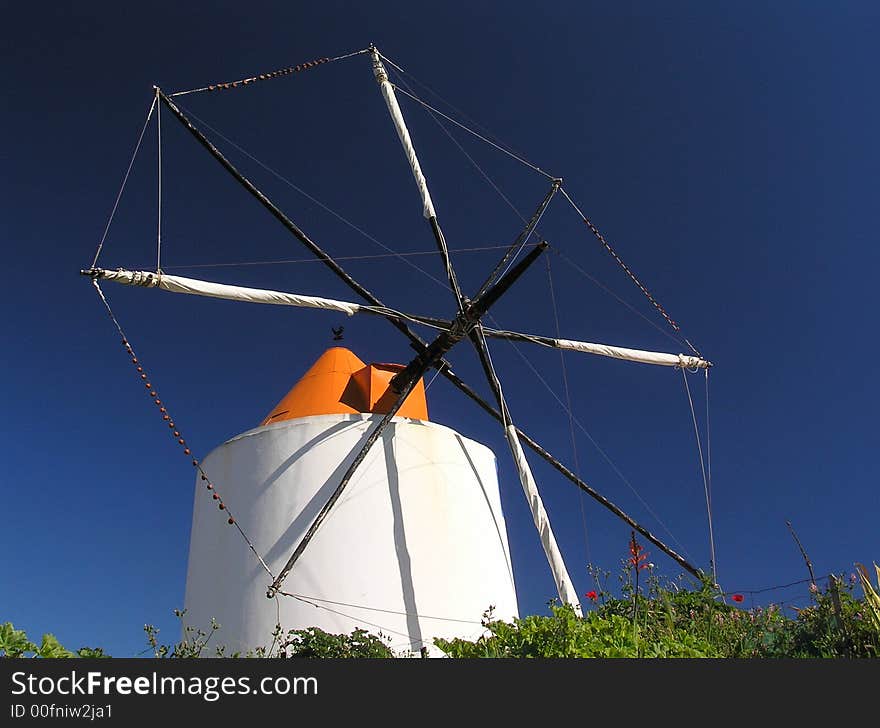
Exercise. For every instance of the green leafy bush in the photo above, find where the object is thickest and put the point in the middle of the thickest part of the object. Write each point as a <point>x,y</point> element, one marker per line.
<point>646,618</point>
<point>566,634</point>
<point>652,619</point>
<point>15,643</point>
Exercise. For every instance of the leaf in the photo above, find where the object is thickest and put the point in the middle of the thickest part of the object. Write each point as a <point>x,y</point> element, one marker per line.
<point>872,599</point>
<point>14,642</point>
<point>91,652</point>
<point>51,647</point>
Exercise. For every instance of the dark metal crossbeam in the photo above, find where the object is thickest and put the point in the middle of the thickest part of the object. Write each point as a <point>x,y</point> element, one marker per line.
<point>440,239</point>
<point>442,365</point>
<point>522,237</point>
<point>403,383</point>
<point>466,321</point>
<point>359,458</point>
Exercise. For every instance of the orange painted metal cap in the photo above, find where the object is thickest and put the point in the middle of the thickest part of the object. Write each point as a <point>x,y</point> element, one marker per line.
<point>340,383</point>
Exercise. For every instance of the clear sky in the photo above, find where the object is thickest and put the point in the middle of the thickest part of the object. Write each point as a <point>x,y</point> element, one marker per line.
<point>728,152</point>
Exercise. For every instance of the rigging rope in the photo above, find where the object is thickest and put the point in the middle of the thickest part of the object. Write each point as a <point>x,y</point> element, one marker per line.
<point>627,270</point>
<point>124,180</point>
<point>315,201</point>
<point>159,176</point>
<point>522,246</point>
<point>166,417</point>
<point>476,134</point>
<point>354,619</point>
<point>378,609</point>
<point>436,374</point>
<point>270,75</point>
<point>506,147</point>
<point>705,479</point>
<point>376,256</point>
<point>473,162</point>
<point>708,442</point>
<point>780,586</point>
<point>598,447</point>
<point>574,452</point>
<point>491,182</point>
<point>623,302</point>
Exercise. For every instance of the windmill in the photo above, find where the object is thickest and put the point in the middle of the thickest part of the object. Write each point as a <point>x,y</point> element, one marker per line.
<point>371,407</point>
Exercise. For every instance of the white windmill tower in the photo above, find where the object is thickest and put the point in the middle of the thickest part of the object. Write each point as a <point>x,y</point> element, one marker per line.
<point>416,547</point>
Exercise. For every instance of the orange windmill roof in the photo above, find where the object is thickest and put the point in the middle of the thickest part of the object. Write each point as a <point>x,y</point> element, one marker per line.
<point>340,383</point>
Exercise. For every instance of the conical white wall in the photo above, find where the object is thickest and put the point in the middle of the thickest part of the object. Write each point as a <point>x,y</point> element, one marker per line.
<point>416,547</point>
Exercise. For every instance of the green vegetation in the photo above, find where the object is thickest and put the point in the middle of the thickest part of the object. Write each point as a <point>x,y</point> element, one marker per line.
<point>683,623</point>
<point>15,643</point>
<point>653,619</point>
<point>647,618</point>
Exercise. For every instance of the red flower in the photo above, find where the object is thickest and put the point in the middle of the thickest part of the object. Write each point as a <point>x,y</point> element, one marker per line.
<point>591,595</point>
<point>736,597</point>
<point>638,555</point>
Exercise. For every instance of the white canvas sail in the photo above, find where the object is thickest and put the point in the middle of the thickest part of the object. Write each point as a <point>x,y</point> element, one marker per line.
<point>192,286</point>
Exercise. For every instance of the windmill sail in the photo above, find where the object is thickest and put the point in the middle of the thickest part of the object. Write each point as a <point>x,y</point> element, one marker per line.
<point>564,585</point>
<point>615,352</point>
<point>178,284</point>
<point>196,287</point>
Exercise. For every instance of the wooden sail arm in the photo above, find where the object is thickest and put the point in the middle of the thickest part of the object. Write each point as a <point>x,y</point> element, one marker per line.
<point>564,585</point>
<point>195,287</point>
<point>406,142</point>
<point>614,352</point>
<point>192,286</point>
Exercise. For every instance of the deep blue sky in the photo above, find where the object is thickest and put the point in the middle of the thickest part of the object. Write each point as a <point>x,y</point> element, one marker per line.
<point>729,152</point>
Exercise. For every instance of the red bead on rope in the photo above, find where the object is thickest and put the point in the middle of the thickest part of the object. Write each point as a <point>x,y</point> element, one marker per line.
<point>187,451</point>
<point>231,520</point>
<point>221,506</point>
<point>215,496</point>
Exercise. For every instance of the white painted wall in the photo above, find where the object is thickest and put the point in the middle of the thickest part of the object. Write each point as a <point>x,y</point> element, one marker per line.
<point>416,547</point>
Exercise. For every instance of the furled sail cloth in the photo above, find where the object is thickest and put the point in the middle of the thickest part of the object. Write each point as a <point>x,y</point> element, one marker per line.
<point>403,134</point>
<point>564,585</point>
<point>192,286</point>
<point>178,284</point>
<point>615,352</point>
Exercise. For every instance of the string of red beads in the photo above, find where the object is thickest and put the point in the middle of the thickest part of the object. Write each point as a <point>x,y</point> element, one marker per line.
<point>180,439</point>
<point>265,76</point>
